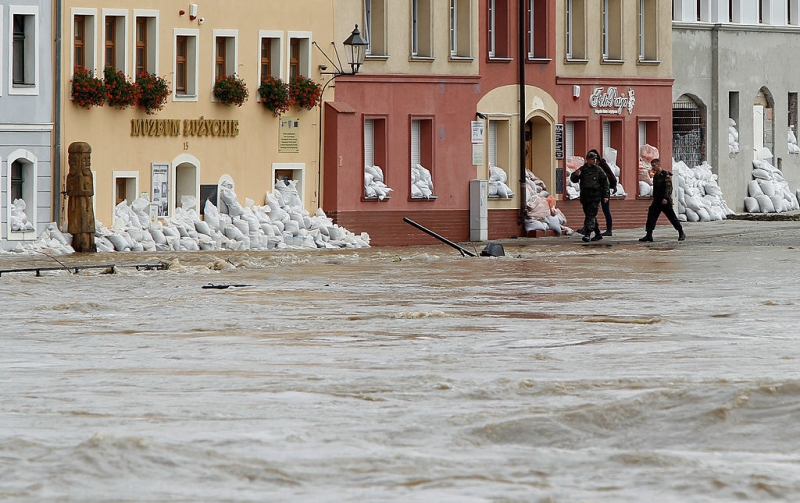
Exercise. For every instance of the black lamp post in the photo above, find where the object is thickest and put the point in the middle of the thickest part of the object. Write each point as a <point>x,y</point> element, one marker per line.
<point>355,47</point>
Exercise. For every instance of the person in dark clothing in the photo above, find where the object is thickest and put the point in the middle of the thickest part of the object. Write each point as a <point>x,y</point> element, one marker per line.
<point>662,202</point>
<point>612,186</point>
<point>594,189</point>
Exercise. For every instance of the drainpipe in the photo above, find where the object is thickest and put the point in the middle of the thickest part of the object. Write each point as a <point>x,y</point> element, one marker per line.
<point>521,60</point>
<point>56,196</point>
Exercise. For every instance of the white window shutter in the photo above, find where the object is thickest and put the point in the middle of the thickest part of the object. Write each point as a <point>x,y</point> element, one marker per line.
<point>414,142</point>
<point>569,140</point>
<point>606,135</point>
<point>492,141</point>
<point>642,133</point>
<point>369,142</point>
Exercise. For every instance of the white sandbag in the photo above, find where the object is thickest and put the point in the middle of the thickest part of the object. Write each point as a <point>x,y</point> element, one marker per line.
<point>691,215</point>
<point>754,189</point>
<point>767,187</point>
<point>778,203</point>
<point>553,223</point>
<point>760,173</point>
<point>765,204</point>
<point>645,189</point>
<point>534,225</point>
<point>119,242</point>
<point>751,205</point>
<point>702,213</point>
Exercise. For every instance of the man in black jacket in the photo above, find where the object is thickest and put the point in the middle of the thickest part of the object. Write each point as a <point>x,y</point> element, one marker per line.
<point>662,202</point>
<point>612,186</point>
<point>594,189</point>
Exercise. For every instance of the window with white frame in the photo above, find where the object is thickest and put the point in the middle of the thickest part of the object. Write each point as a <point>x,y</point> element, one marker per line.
<point>84,37</point>
<point>792,11</point>
<point>21,186</point>
<point>369,142</point>
<point>576,29</point>
<point>421,150</point>
<point>375,146</point>
<point>421,35</point>
<point>460,33</point>
<point>375,27</point>
<point>185,64</point>
<point>569,138</point>
<point>498,29</point>
<point>269,54</point>
<point>537,29</point>
<point>23,65</point>
<point>648,30</point>
<point>612,30</point>
<point>225,55</point>
<point>115,38</point>
<point>299,57</point>
<point>145,53</point>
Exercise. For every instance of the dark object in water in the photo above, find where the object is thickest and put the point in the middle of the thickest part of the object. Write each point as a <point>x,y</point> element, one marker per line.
<point>440,238</point>
<point>493,250</point>
<point>221,287</point>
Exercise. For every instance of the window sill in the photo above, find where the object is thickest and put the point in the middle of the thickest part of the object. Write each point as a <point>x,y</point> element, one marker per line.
<point>612,62</point>
<point>374,199</point>
<point>376,57</point>
<point>539,60</point>
<point>649,62</point>
<point>462,59</point>
<point>431,198</point>
<point>22,235</point>
<point>500,198</point>
<point>500,59</point>
<point>422,59</point>
<point>575,61</point>
<point>184,97</point>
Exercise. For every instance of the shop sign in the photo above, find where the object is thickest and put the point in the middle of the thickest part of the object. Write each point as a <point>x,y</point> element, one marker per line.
<point>185,127</point>
<point>611,102</point>
<point>289,135</point>
<point>477,131</point>
<point>160,179</point>
<point>559,141</point>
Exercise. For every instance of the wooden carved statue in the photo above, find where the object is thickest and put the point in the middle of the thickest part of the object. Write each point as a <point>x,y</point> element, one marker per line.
<point>80,189</point>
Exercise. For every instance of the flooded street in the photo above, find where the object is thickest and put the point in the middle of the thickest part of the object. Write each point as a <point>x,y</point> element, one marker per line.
<point>561,372</point>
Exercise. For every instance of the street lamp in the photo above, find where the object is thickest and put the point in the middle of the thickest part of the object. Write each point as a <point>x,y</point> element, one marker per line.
<point>355,49</point>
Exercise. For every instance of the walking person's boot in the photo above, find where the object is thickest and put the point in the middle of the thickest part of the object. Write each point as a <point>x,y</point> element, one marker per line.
<point>647,237</point>
<point>586,237</point>
<point>597,235</point>
<point>607,232</point>
<point>681,235</point>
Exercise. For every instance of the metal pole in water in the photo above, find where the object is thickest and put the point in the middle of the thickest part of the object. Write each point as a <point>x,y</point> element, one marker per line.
<point>440,238</point>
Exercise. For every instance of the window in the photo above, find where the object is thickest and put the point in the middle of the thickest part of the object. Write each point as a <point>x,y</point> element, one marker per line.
<point>648,132</point>
<point>792,12</point>
<point>537,29</point>
<point>460,33</point>
<point>225,53</point>
<point>269,54</point>
<point>421,149</point>
<point>185,65</point>
<point>21,184</point>
<point>733,111</point>
<point>83,38</point>
<point>375,27</point>
<point>375,152</point>
<point>498,29</point>
<point>576,30</point>
<point>145,55</point>
<point>497,144</point>
<point>299,57</point>
<point>612,30</point>
<point>24,43</point>
<point>114,39</point>
<point>574,138</point>
<point>689,131</point>
<point>793,113</point>
<point>126,185</point>
<point>421,35</point>
<point>703,10</point>
<point>612,136</point>
<point>648,31</point>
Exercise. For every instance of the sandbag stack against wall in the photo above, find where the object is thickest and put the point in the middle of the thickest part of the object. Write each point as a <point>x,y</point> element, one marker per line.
<point>698,197</point>
<point>541,213</point>
<point>733,137</point>
<point>497,183</point>
<point>374,185</point>
<point>282,223</point>
<point>421,182</point>
<point>610,155</point>
<point>768,192</point>
<point>792,147</point>
<point>646,155</point>
<point>19,220</point>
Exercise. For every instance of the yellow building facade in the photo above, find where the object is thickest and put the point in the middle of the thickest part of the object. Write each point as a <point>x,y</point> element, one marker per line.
<point>195,141</point>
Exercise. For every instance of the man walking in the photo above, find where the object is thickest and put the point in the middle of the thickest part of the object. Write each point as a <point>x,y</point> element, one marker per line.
<point>594,189</point>
<point>662,202</point>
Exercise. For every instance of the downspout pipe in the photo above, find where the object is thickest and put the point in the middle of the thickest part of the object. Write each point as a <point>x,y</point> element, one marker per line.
<point>522,152</point>
<point>56,184</point>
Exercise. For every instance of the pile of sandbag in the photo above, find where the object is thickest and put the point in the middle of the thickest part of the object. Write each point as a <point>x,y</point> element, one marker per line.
<point>497,183</point>
<point>793,148</point>
<point>698,197</point>
<point>374,186</point>
<point>610,155</point>
<point>646,155</point>
<point>282,223</point>
<point>768,192</point>
<point>733,137</point>
<point>541,213</point>
<point>421,182</point>
<point>573,162</point>
<point>19,220</point>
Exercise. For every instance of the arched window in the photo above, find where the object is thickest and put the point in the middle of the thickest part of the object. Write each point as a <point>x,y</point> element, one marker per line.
<point>688,131</point>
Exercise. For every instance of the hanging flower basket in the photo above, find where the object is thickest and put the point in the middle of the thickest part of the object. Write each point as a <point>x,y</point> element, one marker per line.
<point>121,93</point>
<point>230,90</point>
<point>87,90</point>
<point>274,95</point>
<point>304,92</point>
<point>153,92</point>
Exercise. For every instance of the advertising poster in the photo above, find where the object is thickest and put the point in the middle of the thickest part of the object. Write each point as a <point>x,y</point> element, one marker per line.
<point>161,188</point>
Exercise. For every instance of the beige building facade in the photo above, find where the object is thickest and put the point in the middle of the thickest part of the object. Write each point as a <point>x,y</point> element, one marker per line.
<point>195,142</point>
